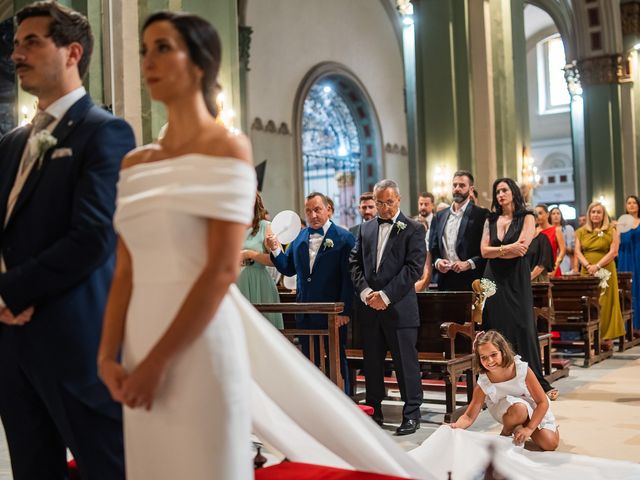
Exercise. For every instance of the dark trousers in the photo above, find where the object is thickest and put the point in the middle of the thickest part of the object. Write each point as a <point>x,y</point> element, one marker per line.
<point>41,418</point>
<point>378,337</point>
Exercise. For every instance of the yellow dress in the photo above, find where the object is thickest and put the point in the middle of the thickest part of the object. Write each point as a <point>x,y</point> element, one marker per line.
<point>596,245</point>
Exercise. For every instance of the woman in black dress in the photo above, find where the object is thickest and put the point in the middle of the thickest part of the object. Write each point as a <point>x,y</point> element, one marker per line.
<point>507,235</point>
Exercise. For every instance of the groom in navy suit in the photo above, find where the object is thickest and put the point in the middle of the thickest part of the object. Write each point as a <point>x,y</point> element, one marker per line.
<point>57,196</point>
<point>319,256</point>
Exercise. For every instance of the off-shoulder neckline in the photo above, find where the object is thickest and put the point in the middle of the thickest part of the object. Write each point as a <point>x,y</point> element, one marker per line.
<point>184,155</point>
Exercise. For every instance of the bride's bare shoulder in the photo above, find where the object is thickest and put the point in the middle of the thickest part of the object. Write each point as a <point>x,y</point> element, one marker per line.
<point>139,155</point>
<point>230,143</point>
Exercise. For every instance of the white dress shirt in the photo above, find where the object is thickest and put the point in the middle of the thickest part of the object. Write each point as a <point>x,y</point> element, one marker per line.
<point>315,242</point>
<point>57,110</point>
<point>450,235</point>
<point>384,232</point>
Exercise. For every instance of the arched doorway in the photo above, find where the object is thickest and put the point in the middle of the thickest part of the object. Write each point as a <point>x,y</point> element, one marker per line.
<point>338,136</point>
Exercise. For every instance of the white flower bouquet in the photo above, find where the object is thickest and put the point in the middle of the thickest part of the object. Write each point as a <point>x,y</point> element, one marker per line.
<point>604,275</point>
<point>483,289</point>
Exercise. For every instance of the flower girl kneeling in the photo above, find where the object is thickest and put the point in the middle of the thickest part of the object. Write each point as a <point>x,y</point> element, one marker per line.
<point>513,395</point>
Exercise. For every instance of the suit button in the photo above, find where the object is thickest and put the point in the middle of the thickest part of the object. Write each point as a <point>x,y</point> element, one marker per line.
<point>309,279</point>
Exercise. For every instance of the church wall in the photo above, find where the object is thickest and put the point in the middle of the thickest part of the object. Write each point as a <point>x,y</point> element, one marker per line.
<point>289,39</point>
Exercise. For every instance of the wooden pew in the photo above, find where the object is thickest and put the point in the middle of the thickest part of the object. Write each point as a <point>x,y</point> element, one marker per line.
<point>627,340</point>
<point>444,344</point>
<point>553,368</point>
<point>332,369</point>
<point>576,302</point>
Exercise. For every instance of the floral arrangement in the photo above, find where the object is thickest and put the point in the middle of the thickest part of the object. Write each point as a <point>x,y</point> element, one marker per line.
<point>401,226</point>
<point>40,143</point>
<point>328,243</point>
<point>483,289</point>
<point>604,275</point>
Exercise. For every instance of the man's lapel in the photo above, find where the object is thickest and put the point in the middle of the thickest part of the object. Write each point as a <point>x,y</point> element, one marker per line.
<point>304,253</point>
<point>66,125</point>
<point>393,234</point>
<point>332,234</point>
<point>463,225</point>
<point>441,226</point>
<point>13,158</point>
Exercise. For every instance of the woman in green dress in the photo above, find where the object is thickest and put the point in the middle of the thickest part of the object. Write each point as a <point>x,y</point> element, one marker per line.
<point>596,247</point>
<point>254,281</point>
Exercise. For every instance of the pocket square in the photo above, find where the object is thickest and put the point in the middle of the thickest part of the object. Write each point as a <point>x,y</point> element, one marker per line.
<point>61,152</point>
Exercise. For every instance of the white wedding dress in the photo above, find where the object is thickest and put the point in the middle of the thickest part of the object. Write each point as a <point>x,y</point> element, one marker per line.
<point>242,374</point>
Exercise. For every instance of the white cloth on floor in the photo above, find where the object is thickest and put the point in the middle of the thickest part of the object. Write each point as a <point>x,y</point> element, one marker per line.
<point>466,454</point>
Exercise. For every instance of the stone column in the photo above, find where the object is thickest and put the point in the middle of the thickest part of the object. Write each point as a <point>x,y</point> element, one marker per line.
<point>443,89</point>
<point>601,77</point>
<point>484,128</point>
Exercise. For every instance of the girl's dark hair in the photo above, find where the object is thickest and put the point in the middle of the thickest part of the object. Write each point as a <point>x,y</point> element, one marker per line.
<point>205,48</point>
<point>520,207</point>
<point>501,343</point>
<point>627,199</point>
<point>259,213</point>
<point>563,222</point>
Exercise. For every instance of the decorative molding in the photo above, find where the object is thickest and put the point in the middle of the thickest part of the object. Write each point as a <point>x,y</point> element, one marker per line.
<point>572,77</point>
<point>257,124</point>
<point>284,129</point>
<point>630,18</point>
<point>244,45</point>
<point>602,70</point>
<point>396,149</point>
<point>270,127</point>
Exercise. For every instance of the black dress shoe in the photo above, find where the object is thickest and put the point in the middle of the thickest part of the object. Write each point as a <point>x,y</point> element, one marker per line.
<point>408,426</point>
<point>377,416</point>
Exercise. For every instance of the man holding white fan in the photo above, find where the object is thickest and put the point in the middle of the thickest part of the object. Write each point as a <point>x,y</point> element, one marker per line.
<point>319,256</point>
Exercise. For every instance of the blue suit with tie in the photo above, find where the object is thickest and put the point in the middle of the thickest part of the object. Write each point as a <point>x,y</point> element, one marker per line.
<point>58,247</point>
<point>328,281</point>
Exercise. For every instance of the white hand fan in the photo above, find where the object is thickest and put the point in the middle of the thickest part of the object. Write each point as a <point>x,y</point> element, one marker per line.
<point>625,223</point>
<point>286,226</point>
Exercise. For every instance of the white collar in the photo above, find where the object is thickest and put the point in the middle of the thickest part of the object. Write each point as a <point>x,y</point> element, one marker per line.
<point>326,226</point>
<point>58,108</point>
<point>462,208</point>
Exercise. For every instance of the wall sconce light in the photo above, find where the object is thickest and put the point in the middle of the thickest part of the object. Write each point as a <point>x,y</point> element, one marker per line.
<point>441,176</point>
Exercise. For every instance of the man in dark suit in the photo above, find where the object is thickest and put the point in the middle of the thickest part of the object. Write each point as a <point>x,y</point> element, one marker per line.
<point>454,241</point>
<point>57,196</point>
<point>319,256</point>
<point>387,261</point>
<point>367,209</point>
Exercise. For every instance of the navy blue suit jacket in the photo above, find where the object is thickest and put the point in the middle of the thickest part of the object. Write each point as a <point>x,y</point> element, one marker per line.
<point>329,281</point>
<point>58,247</point>
<point>401,266</point>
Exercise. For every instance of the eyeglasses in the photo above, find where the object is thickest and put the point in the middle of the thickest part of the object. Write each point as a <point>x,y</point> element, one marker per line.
<point>388,204</point>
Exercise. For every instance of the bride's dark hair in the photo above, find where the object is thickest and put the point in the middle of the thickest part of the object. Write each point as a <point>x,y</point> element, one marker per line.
<point>203,43</point>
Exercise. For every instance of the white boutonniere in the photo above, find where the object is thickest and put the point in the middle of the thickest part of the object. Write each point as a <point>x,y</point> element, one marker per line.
<point>401,226</point>
<point>328,243</point>
<point>40,143</point>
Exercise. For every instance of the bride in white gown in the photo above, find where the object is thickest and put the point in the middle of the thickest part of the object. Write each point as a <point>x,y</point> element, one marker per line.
<point>200,367</point>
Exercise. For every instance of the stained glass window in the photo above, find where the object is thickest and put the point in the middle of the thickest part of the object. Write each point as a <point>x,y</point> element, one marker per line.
<point>331,151</point>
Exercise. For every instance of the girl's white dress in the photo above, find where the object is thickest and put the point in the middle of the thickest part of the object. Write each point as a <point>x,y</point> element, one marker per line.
<point>501,395</point>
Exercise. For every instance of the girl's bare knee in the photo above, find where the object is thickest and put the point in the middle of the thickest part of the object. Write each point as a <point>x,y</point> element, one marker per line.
<point>517,410</point>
